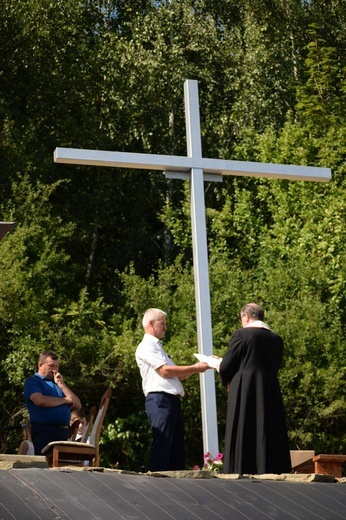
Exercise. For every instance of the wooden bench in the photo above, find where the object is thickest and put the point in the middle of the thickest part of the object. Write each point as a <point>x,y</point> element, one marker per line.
<point>322,464</point>
<point>329,464</point>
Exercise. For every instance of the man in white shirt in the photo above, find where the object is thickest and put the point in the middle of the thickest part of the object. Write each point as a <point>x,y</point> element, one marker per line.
<point>163,390</point>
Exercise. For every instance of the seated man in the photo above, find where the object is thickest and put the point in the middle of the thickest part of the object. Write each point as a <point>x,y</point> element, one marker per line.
<point>49,402</point>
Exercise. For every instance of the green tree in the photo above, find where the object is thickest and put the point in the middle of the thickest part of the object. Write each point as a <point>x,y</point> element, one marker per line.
<point>94,248</point>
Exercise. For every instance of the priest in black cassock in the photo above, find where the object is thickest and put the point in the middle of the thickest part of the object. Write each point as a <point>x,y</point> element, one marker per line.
<point>256,436</point>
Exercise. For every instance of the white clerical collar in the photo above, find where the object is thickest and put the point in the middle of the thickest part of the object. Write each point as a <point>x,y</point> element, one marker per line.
<point>258,323</point>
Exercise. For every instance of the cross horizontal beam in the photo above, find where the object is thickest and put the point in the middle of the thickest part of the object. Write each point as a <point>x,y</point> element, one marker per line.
<point>185,164</point>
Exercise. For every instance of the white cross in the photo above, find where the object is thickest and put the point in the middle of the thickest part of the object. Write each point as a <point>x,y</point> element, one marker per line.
<point>197,169</point>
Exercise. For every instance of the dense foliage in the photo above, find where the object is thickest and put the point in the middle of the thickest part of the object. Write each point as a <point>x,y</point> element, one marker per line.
<point>95,247</point>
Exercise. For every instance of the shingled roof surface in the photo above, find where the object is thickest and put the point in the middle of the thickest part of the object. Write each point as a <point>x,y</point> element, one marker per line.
<point>36,493</point>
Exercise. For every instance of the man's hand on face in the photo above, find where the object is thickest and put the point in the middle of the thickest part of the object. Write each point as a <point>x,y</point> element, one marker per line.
<point>58,379</point>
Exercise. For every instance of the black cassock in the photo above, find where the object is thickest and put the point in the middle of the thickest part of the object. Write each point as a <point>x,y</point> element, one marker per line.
<point>256,439</point>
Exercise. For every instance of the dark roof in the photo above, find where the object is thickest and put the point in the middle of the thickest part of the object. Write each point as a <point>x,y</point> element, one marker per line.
<point>45,494</point>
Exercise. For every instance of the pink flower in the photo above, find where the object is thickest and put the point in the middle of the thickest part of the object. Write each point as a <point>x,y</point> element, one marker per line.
<point>214,465</point>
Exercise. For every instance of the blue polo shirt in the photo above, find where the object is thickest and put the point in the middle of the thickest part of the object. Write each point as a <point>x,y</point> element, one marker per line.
<point>56,415</point>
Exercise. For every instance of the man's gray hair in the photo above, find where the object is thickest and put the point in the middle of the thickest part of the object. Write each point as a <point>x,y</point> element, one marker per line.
<point>152,315</point>
<point>254,311</point>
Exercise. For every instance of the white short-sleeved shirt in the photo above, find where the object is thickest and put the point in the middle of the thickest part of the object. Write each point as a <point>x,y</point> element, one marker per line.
<point>150,356</point>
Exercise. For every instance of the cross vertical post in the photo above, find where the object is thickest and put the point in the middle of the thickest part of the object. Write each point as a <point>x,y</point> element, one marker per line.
<point>201,271</point>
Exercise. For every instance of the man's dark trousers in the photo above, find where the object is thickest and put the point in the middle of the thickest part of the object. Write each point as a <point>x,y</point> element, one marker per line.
<point>165,415</point>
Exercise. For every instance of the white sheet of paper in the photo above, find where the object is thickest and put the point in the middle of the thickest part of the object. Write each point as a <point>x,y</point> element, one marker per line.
<point>212,361</point>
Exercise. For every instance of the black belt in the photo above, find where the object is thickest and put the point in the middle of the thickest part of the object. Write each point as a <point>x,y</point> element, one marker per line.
<point>166,393</point>
<point>60,426</point>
